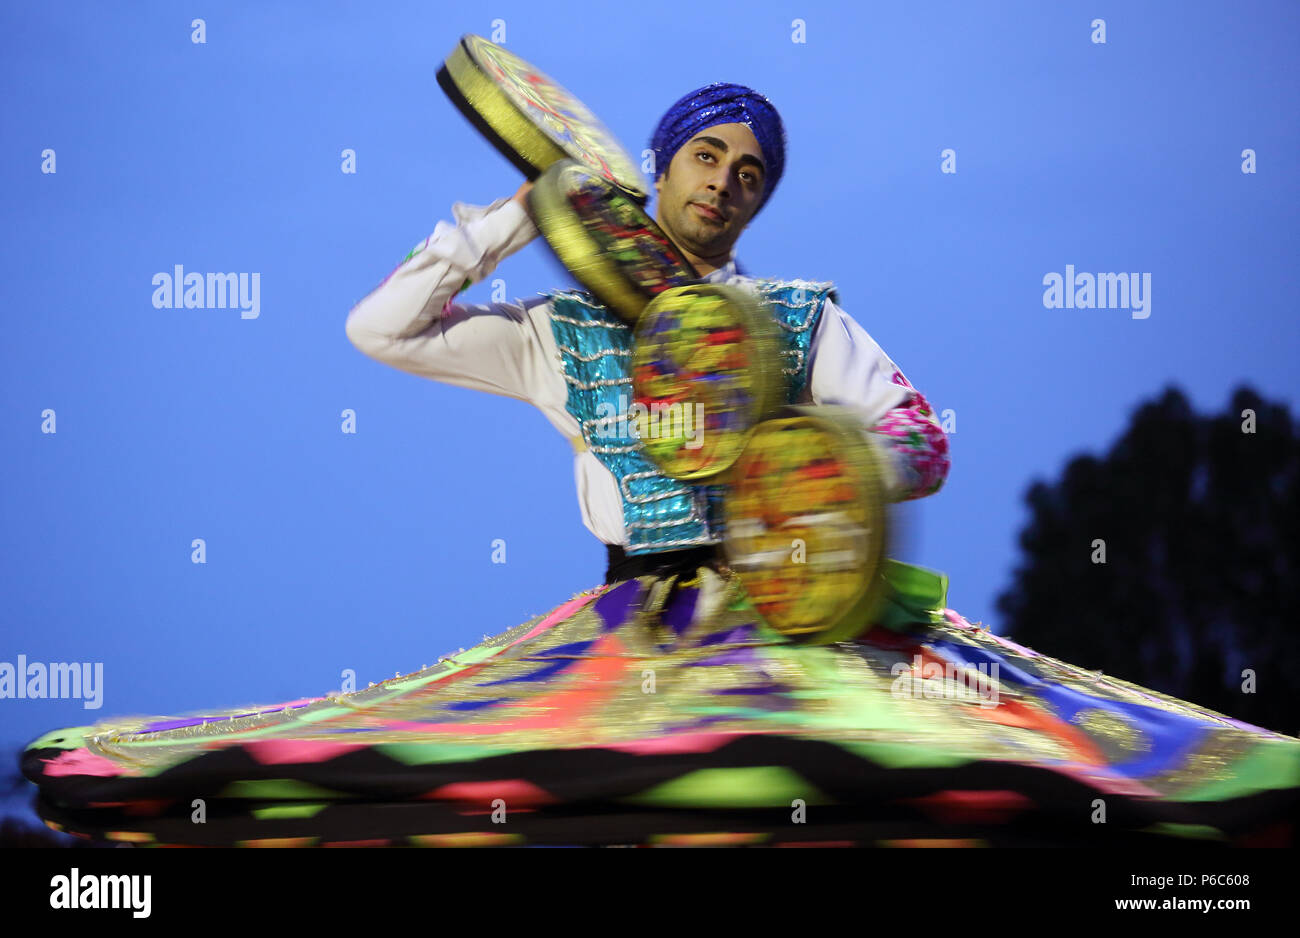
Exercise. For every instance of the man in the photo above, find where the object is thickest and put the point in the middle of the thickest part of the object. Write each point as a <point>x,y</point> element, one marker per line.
<point>644,710</point>
<point>720,152</point>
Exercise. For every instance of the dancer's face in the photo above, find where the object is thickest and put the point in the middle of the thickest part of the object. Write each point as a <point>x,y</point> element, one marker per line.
<point>711,190</point>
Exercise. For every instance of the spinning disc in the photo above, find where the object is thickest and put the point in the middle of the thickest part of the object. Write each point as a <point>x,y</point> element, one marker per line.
<point>606,239</point>
<point>706,369</point>
<point>533,120</point>
<point>807,524</point>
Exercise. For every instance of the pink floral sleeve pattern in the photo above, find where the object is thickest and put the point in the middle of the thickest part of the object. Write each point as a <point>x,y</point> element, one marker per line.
<point>918,441</point>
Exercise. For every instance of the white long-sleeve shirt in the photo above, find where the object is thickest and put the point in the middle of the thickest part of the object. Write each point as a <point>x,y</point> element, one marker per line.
<point>410,322</point>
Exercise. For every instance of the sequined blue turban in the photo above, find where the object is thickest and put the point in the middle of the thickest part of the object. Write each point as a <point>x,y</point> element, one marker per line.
<point>723,103</point>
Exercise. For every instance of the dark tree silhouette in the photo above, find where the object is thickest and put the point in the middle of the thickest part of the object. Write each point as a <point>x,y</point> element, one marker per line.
<point>1200,522</point>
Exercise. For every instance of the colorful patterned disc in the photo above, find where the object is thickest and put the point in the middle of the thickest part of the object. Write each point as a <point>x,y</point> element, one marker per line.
<point>529,117</point>
<point>706,368</point>
<point>807,524</point>
<point>606,239</point>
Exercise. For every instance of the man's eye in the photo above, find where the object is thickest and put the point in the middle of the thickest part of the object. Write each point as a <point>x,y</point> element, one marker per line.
<point>705,153</point>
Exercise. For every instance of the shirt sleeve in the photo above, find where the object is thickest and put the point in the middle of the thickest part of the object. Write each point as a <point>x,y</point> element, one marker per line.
<point>411,322</point>
<point>849,369</point>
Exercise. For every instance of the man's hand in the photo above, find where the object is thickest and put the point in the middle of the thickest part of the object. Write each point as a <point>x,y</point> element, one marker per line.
<point>521,196</point>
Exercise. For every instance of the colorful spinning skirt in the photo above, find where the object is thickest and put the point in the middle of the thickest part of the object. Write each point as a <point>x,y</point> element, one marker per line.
<point>661,710</point>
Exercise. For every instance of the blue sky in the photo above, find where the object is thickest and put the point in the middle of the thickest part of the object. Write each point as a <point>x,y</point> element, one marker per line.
<point>372,552</point>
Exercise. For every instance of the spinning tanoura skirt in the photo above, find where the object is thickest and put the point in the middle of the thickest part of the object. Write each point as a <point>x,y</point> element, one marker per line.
<point>661,710</point>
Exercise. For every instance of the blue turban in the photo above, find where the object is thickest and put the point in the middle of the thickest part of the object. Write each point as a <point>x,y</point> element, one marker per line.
<point>723,103</point>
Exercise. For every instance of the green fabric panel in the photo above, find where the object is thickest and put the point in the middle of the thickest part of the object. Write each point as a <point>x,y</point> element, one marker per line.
<point>902,755</point>
<point>73,737</point>
<point>428,753</point>
<point>1270,765</point>
<point>308,809</point>
<point>768,786</point>
<point>480,652</point>
<point>324,713</point>
<point>453,664</point>
<point>1191,831</point>
<point>919,595</point>
<point>276,789</point>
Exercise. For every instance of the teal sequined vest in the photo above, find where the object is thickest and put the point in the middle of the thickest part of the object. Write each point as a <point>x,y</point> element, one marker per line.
<point>659,513</point>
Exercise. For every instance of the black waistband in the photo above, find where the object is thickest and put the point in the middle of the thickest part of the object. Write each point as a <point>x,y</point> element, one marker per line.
<point>659,563</point>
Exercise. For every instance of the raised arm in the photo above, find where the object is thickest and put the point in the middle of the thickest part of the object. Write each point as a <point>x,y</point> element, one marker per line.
<point>411,322</point>
<point>848,368</point>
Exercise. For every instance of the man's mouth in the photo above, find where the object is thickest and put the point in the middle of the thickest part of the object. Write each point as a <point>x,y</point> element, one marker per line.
<point>709,212</point>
